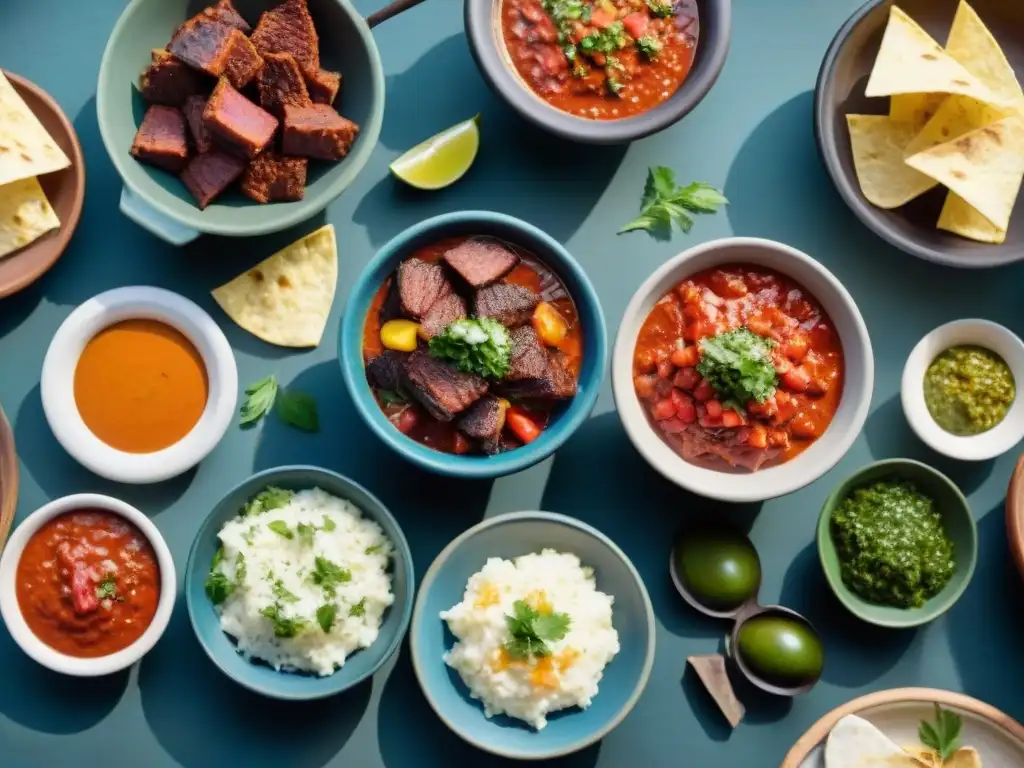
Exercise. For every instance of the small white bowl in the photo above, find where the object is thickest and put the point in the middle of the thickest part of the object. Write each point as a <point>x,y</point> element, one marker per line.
<point>57,387</point>
<point>858,380</point>
<point>983,333</point>
<point>10,611</point>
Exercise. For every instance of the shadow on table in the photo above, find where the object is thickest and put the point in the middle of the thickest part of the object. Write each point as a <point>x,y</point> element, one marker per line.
<point>14,310</point>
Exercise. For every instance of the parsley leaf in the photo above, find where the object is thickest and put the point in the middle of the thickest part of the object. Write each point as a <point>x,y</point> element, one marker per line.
<point>357,609</point>
<point>107,589</point>
<point>240,569</point>
<point>297,409</point>
<point>280,527</point>
<point>282,593</point>
<point>942,735</point>
<point>325,616</point>
<point>649,46</point>
<point>329,524</point>
<point>664,203</point>
<point>260,399</point>
<point>531,631</point>
<point>269,498</point>
<point>283,625</point>
<point>475,345</point>
<point>218,587</point>
<point>661,8</point>
<point>373,548</point>
<point>329,575</point>
<point>738,364</point>
<point>391,397</point>
<point>306,533</point>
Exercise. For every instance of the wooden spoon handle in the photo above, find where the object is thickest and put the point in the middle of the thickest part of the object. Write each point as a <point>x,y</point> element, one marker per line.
<point>389,10</point>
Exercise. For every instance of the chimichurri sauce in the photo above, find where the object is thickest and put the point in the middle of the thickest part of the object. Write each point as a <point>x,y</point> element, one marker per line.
<point>968,390</point>
<point>892,547</point>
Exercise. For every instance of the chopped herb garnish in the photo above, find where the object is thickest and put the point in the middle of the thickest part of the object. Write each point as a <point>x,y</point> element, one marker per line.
<point>608,40</point>
<point>580,71</point>
<point>218,587</point>
<point>664,203</point>
<point>269,498</point>
<point>614,86</point>
<point>477,345</point>
<point>240,569</point>
<point>282,593</point>
<point>283,625</point>
<point>357,609</point>
<point>297,409</point>
<point>329,575</point>
<point>570,51</point>
<point>661,8</point>
<point>259,400</point>
<point>649,46</point>
<point>942,735</point>
<point>249,535</point>
<point>306,533</point>
<point>374,548</point>
<point>325,616</point>
<point>107,589</point>
<point>280,527</point>
<point>391,397</point>
<point>532,631</point>
<point>218,557</point>
<point>329,524</point>
<point>738,364</point>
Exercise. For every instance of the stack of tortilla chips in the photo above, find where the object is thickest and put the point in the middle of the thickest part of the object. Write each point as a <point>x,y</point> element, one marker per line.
<point>26,152</point>
<point>956,118</point>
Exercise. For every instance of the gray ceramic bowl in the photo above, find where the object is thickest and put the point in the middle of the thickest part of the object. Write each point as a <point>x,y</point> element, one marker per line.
<point>840,91</point>
<point>483,30</point>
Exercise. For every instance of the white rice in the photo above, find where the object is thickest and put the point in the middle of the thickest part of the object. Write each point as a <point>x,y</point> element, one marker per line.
<point>278,575</point>
<point>529,690</point>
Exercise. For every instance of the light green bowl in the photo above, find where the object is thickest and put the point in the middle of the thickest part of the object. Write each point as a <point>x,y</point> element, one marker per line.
<point>156,199</point>
<point>956,517</point>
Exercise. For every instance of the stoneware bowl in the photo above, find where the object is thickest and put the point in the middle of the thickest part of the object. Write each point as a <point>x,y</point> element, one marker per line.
<point>1015,515</point>
<point>840,91</point>
<point>483,30</point>
<point>982,333</point>
<point>8,478</point>
<point>956,518</point>
<point>58,394</point>
<point>595,344</point>
<point>65,189</point>
<point>857,385</point>
<point>157,200</point>
<point>11,611</point>
<point>257,676</point>
<point>509,536</point>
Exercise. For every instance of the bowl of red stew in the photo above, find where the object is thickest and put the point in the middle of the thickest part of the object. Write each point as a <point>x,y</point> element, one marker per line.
<point>600,71</point>
<point>742,370</point>
<point>473,344</point>
<point>87,585</point>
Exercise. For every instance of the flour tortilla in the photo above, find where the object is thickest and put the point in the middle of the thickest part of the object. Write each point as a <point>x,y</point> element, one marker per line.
<point>957,115</point>
<point>916,108</point>
<point>25,215</point>
<point>973,45</point>
<point>878,145</point>
<point>286,299</point>
<point>855,743</point>
<point>26,149</point>
<point>961,219</point>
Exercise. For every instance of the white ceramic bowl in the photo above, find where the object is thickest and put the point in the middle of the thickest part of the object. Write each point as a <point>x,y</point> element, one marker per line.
<point>58,377</point>
<point>10,611</point>
<point>982,333</point>
<point>857,359</point>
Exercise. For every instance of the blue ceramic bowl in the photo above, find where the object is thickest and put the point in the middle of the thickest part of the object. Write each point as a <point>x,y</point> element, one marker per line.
<point>545,248</point>
<point>509,536</point>
<point>260,677</point>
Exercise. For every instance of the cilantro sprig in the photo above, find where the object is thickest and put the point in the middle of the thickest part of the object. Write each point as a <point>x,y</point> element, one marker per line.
<point>477,345</point>
<point>738,365</point>
<point>294,408</point>
<point>532,631</point>
<point>107,588</point>
<point>284,626</point>
<point>269,498</point>
<point>665,203</point>
<point>942,734</point>
<point>328,575</point>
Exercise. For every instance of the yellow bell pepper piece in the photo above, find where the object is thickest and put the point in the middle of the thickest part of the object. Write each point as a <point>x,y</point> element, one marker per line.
<point>399,335</point>
<point>549,324</point>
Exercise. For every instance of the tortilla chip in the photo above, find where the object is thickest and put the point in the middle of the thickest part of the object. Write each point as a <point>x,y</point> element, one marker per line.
<point>26,149</point>
<point>916,108</point>
<point>971,44</point>
<point>878,144</point>
<point>984,167</point>
<point>25,215</point>
<point>286,299</point>
<point>957,115</point>
<point>965,757</point>
<point>910,61</point>
<point>961,219</point>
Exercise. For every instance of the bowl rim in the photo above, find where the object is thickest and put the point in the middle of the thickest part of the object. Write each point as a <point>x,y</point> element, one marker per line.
<point>92,317</point>
<point>517,517</point>
<point>486,51</point>
<point>576,412</point>
<point>975,332</point>
<point>10,610</point>
<point>295,213</point>
<point>8,478</point>
<point>854,603</point>
<point>402,550</point>
<point>760,485</point>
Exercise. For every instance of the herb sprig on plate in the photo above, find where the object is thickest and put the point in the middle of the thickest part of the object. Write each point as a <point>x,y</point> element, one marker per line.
<point>532,631</point>
<point>296,409</point>
<point>664,203</point>
<point>942,734</point>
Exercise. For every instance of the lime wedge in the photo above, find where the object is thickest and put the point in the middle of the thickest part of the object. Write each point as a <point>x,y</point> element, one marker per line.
<point>442,159</point>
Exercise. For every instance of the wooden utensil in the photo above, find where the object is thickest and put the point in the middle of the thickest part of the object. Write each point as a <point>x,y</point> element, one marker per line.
<point>8,478</point>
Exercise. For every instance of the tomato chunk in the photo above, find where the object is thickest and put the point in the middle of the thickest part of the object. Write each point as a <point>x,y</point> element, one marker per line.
<point>601,17</point>
<point>663,409</point>
<point>714,408</point>
<point>522,425</point>
<point>703,391</point>
<point>796,346</point>
<point>665,369</point>
<point>644,386</point>
<point>803,427</point>
<point>758,437</point>
<point>796,379</point>
<point>462,444</point>
<point>407,421</point>
<point>684,356</point>
<point>635,24</point>
<point>687,378</point>
<point>732,418</point>
<point>672,426</point>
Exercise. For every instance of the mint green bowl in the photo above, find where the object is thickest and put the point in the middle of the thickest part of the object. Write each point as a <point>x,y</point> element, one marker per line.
<point>956,517</point>
<point>156,199</point>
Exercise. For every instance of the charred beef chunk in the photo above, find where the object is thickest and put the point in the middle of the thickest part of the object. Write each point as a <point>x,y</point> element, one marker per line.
<point>529,360</point>
<point>557,383</point>
<point>440,388</point>
<point>385,370</point>
<point>484,421</point>
<point>420,284</point>
<point>481,262</point>
<point>444,311</point>
<point>323,86</point>
<point>238,122</point>
<point>168,81</point>
<point>281,82</point>
<point>243,62</point>
<point>206,176</point>
<point>508,303</point>
<point>216,49</point>
<point>288,28</point>
<point>201,137</point>
<point>223,12</point>
<point>317,131</point>
<point>161,140</point>
<point>272,177</point>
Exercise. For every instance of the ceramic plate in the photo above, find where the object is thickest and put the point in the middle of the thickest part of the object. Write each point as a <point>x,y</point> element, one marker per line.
<point>8,478</point>
<point>998,738</point>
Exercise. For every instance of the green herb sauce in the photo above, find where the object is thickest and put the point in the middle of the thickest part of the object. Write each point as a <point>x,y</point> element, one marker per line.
<point>892,547</point>
<point>968,390</point>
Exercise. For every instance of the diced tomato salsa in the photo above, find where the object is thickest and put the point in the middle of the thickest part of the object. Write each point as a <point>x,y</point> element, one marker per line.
<point>694,418</point>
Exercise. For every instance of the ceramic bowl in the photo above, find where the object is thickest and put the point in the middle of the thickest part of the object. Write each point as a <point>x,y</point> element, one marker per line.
<point>510,536</point>
<point>483,30</point>
<point>65,189</point>
<point>1015,515</point>
<point>983,333</point>
<point>57,385</point>
<point>840,91</point>
<point>39,651</point>
<point>259,677</point>
<point>857,386</point>
<point>8,478</point>
<point>547,250</point>
<point>956,518</point>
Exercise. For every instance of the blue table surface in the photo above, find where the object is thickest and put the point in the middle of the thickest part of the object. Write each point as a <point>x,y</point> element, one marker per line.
<point>752,136</point>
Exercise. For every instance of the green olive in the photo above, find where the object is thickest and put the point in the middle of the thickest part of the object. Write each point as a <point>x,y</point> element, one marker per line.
<point>781,650</point>
<point>718,567</point>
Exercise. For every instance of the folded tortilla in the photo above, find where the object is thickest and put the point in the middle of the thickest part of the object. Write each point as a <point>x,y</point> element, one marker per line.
<point>25,215</point>
<point>26,149</point>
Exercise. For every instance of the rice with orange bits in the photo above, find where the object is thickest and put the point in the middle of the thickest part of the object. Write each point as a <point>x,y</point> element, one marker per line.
<point>534,636</point>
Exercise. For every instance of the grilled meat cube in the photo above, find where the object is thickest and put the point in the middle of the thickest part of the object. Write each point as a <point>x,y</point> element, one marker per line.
<point>418,285</point>
<point>323,85</point>
<point>168,81</point>
<point>281,82</point>
<point>444,311</point>
<point>385,370</point>
<point>217,49</point>
<point>206,176</point>
<point>440,388</point>
<point>223,12</point>
<point>238,122</point>
<point>484,421</point>
<point>481,262</point>
<point>528,360</point>
<point>243,62</point>
<point>272,177</point>
<point>161,140</point>
<point>201,137</point>
<point>288,28</point>
<point>556,383</point>
<point>317,131</point>
<point>510,304</point>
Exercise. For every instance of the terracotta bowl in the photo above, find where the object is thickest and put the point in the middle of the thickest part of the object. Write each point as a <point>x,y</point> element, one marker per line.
<point>64,189</point>
<point>8,478</point>
<point>1014,515</point>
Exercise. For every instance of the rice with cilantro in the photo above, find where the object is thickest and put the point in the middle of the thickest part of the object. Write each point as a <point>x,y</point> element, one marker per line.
<point>534,636</point>
<point>301,580</point>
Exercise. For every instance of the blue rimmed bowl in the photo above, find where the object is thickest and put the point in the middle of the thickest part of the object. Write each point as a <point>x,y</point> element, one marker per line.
<point>595,341</point>
<point>509,536</point>
<point>259,677</point>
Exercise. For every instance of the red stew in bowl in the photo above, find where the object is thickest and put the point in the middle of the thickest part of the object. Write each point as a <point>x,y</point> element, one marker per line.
<point>444,399</point>
<point>88,583</point>
<point>601,59</point>
<point>739,368</point>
